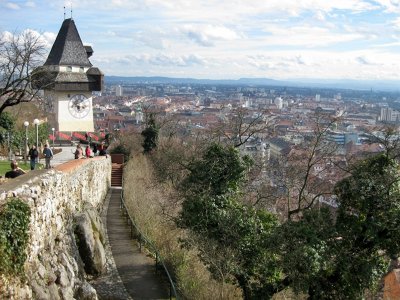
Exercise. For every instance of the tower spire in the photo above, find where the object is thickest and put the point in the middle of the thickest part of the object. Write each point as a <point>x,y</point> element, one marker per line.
<point>71,10</point>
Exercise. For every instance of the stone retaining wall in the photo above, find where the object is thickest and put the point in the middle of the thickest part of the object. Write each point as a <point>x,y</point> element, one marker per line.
<point>54,268</point>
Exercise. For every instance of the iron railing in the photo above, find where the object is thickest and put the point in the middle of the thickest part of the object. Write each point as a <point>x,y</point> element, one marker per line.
<point>144,241</point>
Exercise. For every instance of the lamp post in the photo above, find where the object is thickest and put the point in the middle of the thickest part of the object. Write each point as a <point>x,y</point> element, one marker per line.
<point>9,145</point>
<point>53,136</point>
<point>26,124</point>
<point>36,122</point>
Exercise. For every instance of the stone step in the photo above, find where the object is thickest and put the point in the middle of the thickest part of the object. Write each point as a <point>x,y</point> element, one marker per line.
<point>116,175</point>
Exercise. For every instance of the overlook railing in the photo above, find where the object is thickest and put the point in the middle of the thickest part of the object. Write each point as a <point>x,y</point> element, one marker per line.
<point>144,241</point>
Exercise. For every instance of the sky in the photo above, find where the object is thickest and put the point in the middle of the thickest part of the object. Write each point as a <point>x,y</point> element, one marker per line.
<point>225,39</point>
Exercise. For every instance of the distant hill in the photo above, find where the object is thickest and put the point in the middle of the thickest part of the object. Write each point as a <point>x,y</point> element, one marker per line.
<point>166,80</point>
<point>377,85</point>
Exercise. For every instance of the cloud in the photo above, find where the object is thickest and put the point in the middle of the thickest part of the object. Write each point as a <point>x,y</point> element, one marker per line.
<point>163,60</point>
<point>278,62</point>
<point>6,36</point>
<point>208,35</point>
<point>390,6</point>
<point>225,38</point>
<point>49,38</point>
<point>152,38</point>
<point>213,11</point>
<point>363,60</point>
<point>46,39</point>
<point>396,23</point>
<point>320,16</point>
<point>309,36</point>
<point>13,6</point>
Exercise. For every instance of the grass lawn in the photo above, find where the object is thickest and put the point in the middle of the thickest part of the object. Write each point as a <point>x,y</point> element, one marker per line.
<point>5,166</point>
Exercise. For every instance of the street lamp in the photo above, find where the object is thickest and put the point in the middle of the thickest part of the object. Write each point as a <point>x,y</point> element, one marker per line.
<point>53,136</point>
<point>26,124</point>
<point>36,122</point>
<point>9,145</point>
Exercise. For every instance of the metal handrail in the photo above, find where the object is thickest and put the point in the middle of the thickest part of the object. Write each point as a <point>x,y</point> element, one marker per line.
<point>141,237</point>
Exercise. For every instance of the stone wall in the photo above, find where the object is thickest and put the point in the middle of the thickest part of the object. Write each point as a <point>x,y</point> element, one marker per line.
<point>54,269</point>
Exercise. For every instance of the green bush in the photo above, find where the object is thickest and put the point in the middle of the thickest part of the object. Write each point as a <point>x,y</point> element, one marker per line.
<point>14,226</point>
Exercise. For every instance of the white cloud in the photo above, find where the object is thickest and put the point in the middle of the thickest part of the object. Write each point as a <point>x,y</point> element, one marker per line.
<point>49,38</point>
<point>273,64</point>
<point>320,16</point>
<point>364,60</point>
<point>46,39</point>
<point>12,5</point>
<point>391,6</point>
<point>232,11</point>
<point>156,39</point>
<point>351,64</point>
<point>6,36</point>
<point>396,23</point>
<point>209,34</point>
<point>239,38</point>
<point>309,36</point>
<point>161,60</point>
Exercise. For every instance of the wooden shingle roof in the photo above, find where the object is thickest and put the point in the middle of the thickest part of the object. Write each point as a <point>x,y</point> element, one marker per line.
<point>68,49</point>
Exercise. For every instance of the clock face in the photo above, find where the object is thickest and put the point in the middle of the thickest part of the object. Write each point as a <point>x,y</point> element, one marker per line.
<point>79,106</point>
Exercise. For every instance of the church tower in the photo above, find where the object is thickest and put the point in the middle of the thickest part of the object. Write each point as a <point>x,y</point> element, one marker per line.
<point>70,80</point>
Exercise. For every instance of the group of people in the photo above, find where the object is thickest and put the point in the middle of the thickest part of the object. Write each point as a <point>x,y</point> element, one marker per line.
<point>48,155</point>
<point>89,152</point>
<point>34,156</point>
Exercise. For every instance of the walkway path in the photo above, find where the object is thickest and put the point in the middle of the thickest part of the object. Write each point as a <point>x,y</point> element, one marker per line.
<point>65,155</point>
<point>135,269</point>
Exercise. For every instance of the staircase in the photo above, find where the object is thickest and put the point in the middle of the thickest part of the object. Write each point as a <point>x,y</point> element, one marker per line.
<point>116,175</point>
<point>117,169</point>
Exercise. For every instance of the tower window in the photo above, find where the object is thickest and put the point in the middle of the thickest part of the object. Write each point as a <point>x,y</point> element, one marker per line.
<point>69,69</point>
<point>81,69</point>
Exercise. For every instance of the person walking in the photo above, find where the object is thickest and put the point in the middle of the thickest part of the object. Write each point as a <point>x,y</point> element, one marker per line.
<point>48,155</point>
<point>33,154</point>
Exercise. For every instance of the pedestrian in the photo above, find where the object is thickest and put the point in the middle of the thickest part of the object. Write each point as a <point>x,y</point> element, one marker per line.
<point>48,155</point>
<point>33,154</point>
<point>78,152</point>
<point>102,150</point>
<point>94,149</point>
<point>15,170</point>
<point>88,152</point>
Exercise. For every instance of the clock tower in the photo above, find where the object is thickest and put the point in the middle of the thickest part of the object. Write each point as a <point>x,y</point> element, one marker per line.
<point>70,81</point>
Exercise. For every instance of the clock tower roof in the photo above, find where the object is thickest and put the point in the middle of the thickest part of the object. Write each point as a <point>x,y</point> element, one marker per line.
<point>68,49</point>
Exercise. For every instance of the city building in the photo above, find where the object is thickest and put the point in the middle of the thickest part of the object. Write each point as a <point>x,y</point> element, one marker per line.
<point>119,91</point>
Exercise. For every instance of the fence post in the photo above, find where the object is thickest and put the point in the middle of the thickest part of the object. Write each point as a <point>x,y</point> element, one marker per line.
<point>156,261</point>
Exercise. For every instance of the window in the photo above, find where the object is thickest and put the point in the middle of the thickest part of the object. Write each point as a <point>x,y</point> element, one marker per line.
<point>69,69</point>
<point>81,69</point>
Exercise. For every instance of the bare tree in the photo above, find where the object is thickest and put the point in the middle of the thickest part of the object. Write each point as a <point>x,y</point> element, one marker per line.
<point>241,125</point>
<point>297,182</point>
<point>388,137</point>
<point>20,75</point>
